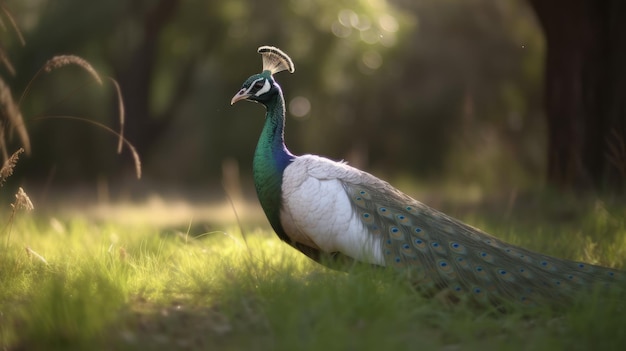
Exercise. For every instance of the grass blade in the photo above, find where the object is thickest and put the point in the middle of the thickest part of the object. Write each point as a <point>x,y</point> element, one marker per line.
<point>131,147</point>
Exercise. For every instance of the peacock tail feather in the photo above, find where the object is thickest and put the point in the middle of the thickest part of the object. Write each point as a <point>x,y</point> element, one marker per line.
<point>440,253</point>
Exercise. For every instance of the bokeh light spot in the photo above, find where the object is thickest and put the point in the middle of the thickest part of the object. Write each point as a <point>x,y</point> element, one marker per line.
<point>372,59</point>
<point>299,107</point>
<point>388,23</point>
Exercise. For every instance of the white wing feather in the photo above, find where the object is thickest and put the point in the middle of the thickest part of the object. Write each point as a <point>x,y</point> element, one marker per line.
<point>317,211</point>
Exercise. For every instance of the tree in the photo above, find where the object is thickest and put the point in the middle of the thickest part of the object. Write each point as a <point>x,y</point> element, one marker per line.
<point>137,76</point>
<point>585,91</point>
<point>421,88</point>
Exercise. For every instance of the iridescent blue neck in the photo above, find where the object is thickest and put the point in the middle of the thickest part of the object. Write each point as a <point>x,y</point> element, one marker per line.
<point>270,160</point>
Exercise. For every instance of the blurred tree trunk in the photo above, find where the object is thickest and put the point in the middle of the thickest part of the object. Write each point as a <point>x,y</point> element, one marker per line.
<point>585,91</point>
<point>136,77</point>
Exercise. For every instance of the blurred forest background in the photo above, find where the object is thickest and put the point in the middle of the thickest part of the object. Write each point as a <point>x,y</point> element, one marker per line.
<point>428,90</point>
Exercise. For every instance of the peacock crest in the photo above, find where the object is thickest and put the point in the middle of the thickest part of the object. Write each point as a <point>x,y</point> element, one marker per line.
<point>275,60</point>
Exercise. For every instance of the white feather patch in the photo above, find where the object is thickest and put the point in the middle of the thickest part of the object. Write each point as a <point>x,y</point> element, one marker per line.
<point>265,89</point>
<point>316,209</point>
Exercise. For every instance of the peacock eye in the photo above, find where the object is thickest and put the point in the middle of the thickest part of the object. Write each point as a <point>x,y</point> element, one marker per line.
<point>258,85</point>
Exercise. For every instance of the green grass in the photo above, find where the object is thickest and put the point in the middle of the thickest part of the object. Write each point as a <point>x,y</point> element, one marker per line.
<point>135,286</point>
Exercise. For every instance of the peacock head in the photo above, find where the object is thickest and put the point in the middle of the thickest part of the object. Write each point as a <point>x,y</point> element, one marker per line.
<point>260,87</point>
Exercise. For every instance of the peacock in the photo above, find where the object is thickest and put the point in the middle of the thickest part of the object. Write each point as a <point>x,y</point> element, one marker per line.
<point>326,208</point>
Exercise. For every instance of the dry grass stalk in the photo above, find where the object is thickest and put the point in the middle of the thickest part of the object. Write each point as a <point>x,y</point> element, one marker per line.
<point>58,62</point>
<point>11,116</point>
<point>9,164</point>
<point>63,60</point>
<point>22,201</point>
<point>3,145</point>
<point>31,253</point>
<point>66,60</point>
<point>6,62</point>
<point>120,112</point>
<point>9,16</point>
<point>133,150</point>
<point>11,113</point>
<point>4,59</point>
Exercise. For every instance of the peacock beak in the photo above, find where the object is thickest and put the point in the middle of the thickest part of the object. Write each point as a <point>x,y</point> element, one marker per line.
<point>241,95</point>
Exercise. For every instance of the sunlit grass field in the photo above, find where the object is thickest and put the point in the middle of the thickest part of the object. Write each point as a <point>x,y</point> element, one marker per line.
<point>94,284</point>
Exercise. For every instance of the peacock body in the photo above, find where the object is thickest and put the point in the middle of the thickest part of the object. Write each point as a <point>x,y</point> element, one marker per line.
<point>323,207</point>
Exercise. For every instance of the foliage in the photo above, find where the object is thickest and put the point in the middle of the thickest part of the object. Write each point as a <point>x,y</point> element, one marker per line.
<point>394,86</point>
